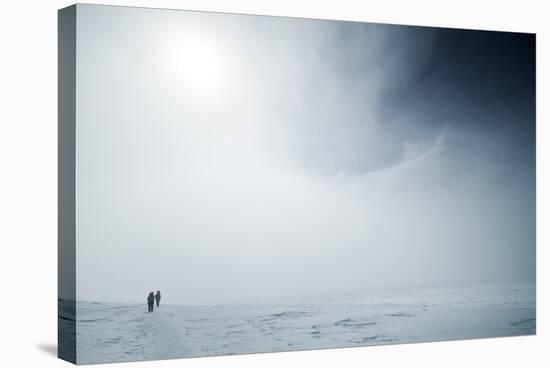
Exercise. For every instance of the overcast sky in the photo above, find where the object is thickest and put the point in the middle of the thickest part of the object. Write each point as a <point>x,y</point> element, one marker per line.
<point>237,159</point>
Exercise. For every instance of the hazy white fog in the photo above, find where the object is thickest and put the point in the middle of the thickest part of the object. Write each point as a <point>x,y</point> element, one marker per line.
<point>225,158</point>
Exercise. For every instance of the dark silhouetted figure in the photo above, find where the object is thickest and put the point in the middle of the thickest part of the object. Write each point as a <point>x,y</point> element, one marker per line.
<point>150,301</point>
<point>157,297</point>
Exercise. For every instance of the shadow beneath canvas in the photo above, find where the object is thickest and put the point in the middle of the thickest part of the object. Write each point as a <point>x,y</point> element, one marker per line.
<point>50,349</point>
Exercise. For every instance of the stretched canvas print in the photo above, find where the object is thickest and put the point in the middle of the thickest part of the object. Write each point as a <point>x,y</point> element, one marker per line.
<point>233,184</point>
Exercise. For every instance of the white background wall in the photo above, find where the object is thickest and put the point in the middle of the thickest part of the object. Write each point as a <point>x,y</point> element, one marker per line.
<point>28,149</point>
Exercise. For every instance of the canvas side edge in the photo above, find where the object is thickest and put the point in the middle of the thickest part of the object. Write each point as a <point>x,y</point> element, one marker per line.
<point>66,284</point>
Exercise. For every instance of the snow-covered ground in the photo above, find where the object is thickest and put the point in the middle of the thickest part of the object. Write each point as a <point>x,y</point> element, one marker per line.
<point>126,332</point>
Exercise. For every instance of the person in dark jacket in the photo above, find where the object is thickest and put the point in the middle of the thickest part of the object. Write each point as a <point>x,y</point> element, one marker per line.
<point>150,301</point>
<point>157,297</point>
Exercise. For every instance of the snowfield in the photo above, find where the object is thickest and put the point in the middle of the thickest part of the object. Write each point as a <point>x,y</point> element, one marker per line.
<point>126,332</point>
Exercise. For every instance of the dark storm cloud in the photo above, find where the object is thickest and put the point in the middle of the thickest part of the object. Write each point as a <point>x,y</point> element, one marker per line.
<point>479,80</point>
<point>411,84</point>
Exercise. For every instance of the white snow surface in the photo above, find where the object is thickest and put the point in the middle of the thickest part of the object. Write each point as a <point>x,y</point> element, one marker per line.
<point>108,332</point>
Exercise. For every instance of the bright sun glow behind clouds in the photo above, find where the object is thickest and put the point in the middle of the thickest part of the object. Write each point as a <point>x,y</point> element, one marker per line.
<point>197,63</point>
